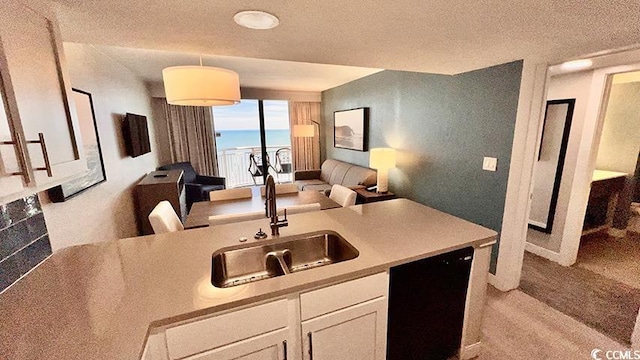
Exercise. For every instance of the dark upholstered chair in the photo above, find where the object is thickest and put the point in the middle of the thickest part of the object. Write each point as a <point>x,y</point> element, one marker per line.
<point>197,186</point>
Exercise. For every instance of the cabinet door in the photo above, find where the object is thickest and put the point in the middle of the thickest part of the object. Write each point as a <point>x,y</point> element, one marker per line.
<point>12,177</point>
<point>35,64</point>
<point>270,346</point>
<point>354,333</point>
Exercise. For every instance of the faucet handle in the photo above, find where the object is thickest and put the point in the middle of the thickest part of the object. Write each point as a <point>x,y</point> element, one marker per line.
<point>285,214</point>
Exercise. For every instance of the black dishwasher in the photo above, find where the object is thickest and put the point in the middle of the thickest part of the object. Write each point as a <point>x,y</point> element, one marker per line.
<point>426,306</point>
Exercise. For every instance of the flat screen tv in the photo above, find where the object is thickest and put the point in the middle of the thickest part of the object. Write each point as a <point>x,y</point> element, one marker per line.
<point>136,135</point>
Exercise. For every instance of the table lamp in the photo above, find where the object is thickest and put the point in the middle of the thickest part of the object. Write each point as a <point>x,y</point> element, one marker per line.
<point>382,159</point>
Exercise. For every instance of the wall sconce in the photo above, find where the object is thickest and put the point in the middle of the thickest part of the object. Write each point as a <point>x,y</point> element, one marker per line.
<point>382,159</point>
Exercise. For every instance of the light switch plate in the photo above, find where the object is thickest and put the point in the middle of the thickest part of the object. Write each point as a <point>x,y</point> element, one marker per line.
<point>490,164</point>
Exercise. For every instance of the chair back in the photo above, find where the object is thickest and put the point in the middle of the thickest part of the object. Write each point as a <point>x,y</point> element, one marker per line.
<point>297,209</point>
<point>230,194</point>
<point>281,189</point>
<point>283,161</point>
<point>164,219</point>
<point>234,218</point>
<point>342,195</point>
<point>189,173</point>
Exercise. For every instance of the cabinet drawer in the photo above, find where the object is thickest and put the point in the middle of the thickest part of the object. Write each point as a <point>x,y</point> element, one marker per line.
<point>216,331</point>
<point>322,301</point>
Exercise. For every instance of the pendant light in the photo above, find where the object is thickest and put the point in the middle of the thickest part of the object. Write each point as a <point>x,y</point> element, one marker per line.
<point>201,85</point>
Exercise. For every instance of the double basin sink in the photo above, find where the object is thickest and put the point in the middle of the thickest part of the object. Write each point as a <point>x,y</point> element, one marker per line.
<point>257,261</point>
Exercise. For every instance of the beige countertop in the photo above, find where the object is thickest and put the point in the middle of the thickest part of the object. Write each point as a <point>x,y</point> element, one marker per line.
<point>599,175</point>
<point>98,301</point>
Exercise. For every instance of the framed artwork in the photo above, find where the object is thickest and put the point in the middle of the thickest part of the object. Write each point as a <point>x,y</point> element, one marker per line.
<point>351,129</point>
<point>93,153</point>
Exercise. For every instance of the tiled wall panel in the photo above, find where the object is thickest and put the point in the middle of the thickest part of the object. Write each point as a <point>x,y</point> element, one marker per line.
<point>24,242</point>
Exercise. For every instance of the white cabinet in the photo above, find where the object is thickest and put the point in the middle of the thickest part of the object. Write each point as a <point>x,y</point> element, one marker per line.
<point>258,332</point>
<point>270,346</point>
<point>354,333</point>
<point>346,321</point>
<point>343,321</point>
<point>11,160</point>
<point>41,119</point>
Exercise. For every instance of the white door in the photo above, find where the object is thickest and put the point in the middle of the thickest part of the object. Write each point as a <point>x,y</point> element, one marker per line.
<point>355,333</point>
<point>35,65</point>
<point>269,346</point>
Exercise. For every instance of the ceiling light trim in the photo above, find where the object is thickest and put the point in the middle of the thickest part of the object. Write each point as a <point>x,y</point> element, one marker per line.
<point>256,20</point>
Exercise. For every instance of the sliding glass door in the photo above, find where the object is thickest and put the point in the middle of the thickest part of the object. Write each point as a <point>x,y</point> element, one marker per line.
<point>252,139</point>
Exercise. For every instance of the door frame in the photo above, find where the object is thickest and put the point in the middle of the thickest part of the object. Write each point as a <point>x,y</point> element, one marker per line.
<point>586,162</point>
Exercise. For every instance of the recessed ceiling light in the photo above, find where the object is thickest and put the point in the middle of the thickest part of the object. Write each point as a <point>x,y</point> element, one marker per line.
<point>258,20</point>
<point>576,64</point>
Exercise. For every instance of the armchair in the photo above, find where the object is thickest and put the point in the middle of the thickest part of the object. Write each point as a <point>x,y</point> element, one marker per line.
<point>197,186</point>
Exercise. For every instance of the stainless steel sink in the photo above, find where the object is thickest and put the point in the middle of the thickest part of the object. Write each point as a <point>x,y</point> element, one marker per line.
<point>242,264</point>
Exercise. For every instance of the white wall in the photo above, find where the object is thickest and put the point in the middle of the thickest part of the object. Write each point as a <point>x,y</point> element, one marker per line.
<point>571,86</point>
<point>105,212</point>
<point>619,145</point>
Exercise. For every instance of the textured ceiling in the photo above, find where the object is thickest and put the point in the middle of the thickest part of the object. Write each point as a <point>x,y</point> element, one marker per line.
<point>438,36</point>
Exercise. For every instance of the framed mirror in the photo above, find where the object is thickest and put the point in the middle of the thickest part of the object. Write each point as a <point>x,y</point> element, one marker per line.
<point>551,156</point>
<point>91,143</point>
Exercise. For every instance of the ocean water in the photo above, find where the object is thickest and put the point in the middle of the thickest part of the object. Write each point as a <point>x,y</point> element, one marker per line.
<point>230,139</point>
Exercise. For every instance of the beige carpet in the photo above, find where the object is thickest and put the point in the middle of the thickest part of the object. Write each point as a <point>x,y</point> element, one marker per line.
<point>615,258</point>
<point>517,326</point>
<point>606,305</point>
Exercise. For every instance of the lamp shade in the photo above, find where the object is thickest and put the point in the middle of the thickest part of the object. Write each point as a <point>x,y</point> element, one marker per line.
<point>382,158</point>
<point>201,86</point>
<point>303,131</point>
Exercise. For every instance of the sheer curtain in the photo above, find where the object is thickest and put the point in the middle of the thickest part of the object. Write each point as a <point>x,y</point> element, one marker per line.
<point>305,150</point>
<point>191,137</point>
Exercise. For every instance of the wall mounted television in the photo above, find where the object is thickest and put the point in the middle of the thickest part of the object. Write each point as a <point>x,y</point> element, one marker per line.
<point>136,135</point>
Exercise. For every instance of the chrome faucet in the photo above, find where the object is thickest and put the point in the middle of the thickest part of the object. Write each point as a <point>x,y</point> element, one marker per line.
<point>271,208</point>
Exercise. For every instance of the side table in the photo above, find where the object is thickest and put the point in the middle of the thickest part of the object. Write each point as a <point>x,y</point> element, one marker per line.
<point>364,196</point>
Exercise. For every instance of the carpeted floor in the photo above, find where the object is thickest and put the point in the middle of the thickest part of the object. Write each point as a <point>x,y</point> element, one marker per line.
<point>615,258</point>
<point>606,305</point>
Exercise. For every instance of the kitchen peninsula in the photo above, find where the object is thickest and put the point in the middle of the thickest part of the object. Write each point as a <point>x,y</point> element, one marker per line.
<point>103,301</point>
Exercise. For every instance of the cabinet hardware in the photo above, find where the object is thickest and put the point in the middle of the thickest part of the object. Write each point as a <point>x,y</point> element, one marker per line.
<point>45,155</point>
<point>310,336</point>
<point>284,347</point>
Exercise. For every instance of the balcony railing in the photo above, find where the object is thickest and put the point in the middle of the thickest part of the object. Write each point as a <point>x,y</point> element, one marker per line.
<point>233,164</point>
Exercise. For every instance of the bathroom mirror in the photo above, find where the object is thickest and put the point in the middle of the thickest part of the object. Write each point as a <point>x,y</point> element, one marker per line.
<point>548,168</point>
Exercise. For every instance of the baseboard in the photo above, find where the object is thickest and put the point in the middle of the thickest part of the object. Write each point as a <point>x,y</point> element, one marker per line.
<point>537,223</point>
<point>617,233</point>
<point>545,253</point>
<point>471,351</point>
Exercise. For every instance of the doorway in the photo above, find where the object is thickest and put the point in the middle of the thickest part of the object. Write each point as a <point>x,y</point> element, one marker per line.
<point>253,140</point>
<point>595,200</point>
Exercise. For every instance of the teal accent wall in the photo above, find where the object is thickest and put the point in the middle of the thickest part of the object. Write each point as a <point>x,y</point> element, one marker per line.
<point>441,126</point>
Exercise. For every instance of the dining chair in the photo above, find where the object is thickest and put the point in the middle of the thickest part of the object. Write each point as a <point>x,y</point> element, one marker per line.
<point>230,194</point>
<point>297,209</point>
<point>281,189</point>
<point>234,218</point>
<point>164,219</point>
<point>342,195</point>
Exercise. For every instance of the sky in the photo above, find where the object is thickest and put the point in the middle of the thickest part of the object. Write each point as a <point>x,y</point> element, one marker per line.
<point>244,116</point>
